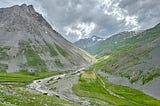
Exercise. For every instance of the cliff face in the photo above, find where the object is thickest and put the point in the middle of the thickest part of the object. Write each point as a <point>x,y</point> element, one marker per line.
<point>28,42</point>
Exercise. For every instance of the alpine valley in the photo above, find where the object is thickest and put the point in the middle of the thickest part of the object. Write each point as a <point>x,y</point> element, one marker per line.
<point>39,67</point>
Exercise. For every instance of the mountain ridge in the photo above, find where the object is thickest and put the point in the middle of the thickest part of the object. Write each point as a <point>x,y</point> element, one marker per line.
<point>132,62</point>
<point>110,42</point>
<point>88,42</point>
<point>30,43</point>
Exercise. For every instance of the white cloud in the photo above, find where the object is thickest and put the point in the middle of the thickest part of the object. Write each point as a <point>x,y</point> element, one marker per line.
<point>76,19</point>
<point>86,28</point>
<point>131,20</point>
<point>111,8</point>
<point>81,29</point>
<point>74,32</point>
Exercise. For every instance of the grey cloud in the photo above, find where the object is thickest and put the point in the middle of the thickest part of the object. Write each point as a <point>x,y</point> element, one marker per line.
<point>69,13</point>
<point>76,15</point>
<point>147,11</point>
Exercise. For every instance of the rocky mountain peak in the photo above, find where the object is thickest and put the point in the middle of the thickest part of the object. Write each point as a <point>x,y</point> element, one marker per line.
<point>23,17</point>
<point>28,42</point>
<point>30,8</point>
<point>23,7</point>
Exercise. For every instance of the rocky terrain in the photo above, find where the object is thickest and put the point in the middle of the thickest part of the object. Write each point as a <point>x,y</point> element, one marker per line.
<point>28,42</point>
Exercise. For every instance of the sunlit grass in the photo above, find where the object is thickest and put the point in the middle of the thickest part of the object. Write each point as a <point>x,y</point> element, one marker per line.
<point>97,88</point>
<point>25,76</point>
<point>103,58</point>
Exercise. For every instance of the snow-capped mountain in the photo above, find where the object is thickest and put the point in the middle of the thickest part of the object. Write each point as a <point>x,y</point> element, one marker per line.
<point>87,42</point>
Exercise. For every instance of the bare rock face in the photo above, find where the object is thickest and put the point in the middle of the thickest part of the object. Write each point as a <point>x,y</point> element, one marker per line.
<point>28,42</point>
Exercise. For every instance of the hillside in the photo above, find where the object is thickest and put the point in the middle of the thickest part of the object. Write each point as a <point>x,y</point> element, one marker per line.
<point>28,42</point>
<point>109,44</point>
<point>136,59</point>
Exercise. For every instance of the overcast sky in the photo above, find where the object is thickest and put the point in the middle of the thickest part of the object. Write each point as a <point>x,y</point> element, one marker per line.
<point>76,19</point>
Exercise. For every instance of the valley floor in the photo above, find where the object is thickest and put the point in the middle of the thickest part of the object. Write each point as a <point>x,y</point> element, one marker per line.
<point>14,91</point>
<point>60,86</point>
<point>84,88</point>
<point>17,95</point>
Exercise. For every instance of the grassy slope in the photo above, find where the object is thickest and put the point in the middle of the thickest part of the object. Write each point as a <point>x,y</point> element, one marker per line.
<point>102,92</point>
<point>127,54</point>
<point>25,76</point>
<point>122,63</point>
<point>126,59</point>
<point>17,94</point>
<point>32,56</point>
<point>108,46</point>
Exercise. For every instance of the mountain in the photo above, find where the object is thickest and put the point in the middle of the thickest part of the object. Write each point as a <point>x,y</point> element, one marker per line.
<point>28,42</point>
<point>109,44</point>
<point>125,73</point>
<point>88,42</point>
<point>134,62</point>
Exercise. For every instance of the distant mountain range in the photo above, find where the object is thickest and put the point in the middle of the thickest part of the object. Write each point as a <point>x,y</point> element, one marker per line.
<point>105,45</point>
<point>88,42</point>
<point>28,42</point>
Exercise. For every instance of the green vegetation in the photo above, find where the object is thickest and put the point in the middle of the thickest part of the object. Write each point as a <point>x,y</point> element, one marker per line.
<point>100,91</point>
<point>137,77</point>
<point>125,58</point>
<point>52,50</point>
<point>149,76</point>
<point>24,76</point>
<point>58,63</point>
<point>61,51</point>
<point>119,59</point>
<point>109,46</point>
<point>16,94</point>
<point>3,52</point>
<point>33,59</point>
<point>102,62</point>
<point>102,58</point>
<point>3,66</point>
<point>123,61</point>
<point>13,90</point>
